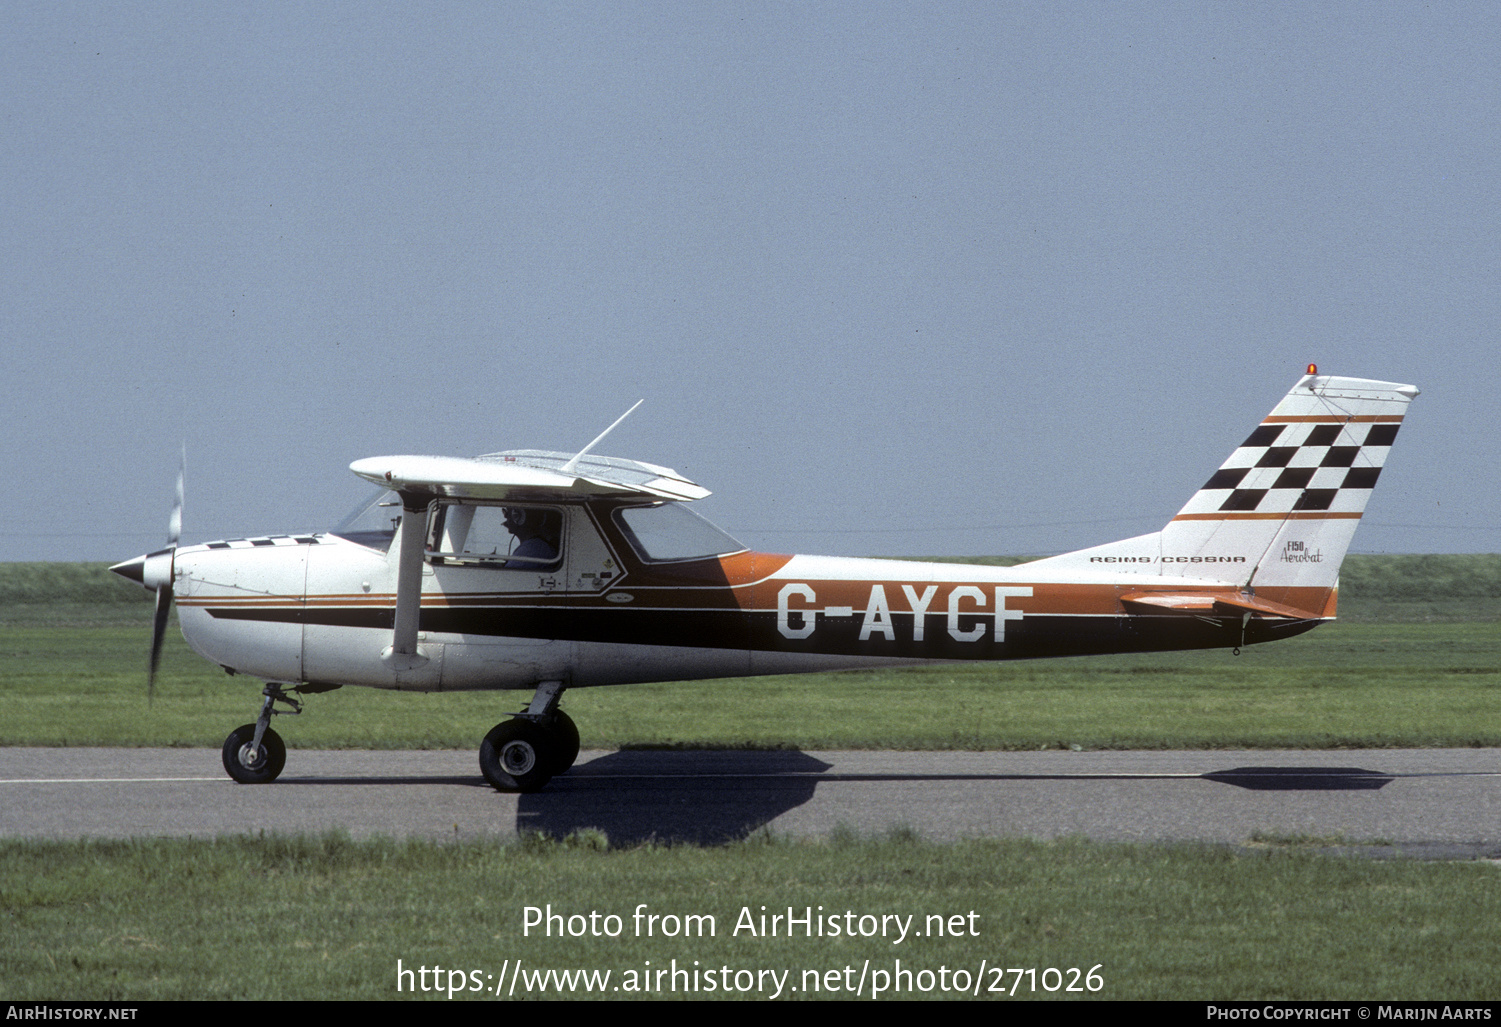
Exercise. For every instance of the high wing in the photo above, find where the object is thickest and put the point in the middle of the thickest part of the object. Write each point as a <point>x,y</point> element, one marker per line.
<point>526,474</point>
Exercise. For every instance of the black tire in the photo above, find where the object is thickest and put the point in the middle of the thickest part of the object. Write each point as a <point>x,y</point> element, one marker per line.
<point>265,767</point>
<point>565,735</point>
<point>518,756</point>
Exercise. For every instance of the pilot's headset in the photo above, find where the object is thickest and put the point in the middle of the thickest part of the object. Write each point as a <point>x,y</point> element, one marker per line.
<point>515,517</point>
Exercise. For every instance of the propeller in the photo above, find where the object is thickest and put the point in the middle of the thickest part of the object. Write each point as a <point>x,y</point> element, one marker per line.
<point>155,571</point>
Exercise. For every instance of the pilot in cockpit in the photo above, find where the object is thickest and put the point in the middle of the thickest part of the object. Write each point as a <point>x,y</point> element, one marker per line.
<point>537,534</point>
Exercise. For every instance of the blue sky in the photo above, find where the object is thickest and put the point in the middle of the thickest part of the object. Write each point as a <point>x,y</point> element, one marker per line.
<point>892,279</point>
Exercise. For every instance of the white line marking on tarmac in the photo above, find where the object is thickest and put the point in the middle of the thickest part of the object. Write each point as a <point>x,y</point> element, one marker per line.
<point>104,780</point>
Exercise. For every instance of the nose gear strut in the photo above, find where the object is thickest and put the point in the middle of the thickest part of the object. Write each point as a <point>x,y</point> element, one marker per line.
<point>253,753</point>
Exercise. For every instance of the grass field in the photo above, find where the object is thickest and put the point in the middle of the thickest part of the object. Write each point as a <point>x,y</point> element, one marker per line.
<point>1415,661</point>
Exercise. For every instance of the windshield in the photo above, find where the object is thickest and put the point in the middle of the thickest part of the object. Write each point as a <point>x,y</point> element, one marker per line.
<point>372,523</point>
<point>670,531</point>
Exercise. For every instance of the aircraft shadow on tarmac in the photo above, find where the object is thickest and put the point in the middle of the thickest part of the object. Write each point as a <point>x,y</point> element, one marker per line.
<point>710,798</point>
<point>1302,779</point>
<point>702,798</point>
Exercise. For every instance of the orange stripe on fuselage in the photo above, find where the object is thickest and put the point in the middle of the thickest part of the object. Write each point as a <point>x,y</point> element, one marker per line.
<point>745,568</point>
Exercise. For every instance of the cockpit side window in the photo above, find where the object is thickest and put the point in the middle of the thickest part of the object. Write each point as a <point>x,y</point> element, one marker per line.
<point>515,537</point>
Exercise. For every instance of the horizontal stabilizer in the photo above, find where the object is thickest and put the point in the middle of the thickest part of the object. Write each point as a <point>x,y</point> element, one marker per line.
<point>1217,604</point>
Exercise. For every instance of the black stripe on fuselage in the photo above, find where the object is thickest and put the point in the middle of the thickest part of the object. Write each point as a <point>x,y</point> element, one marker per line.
<point>1036,635</point>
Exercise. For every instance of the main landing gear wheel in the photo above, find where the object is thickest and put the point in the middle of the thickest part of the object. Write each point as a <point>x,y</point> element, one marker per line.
<point>518,756</point>
<point>251,766</point>
<point>523,754</point>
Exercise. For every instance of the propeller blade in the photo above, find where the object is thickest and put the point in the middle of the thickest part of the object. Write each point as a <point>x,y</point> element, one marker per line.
<point>174,522</point>
<point>164,588</point>
<point>158,633</point>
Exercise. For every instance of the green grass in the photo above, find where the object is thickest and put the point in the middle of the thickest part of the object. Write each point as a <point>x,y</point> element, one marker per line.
<point>267,918</point>
<point>47,584</point>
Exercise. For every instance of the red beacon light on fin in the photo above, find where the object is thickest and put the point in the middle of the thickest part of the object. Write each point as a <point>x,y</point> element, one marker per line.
<point>1313,368</point>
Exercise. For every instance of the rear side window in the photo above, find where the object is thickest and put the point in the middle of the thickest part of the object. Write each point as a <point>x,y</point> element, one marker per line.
<point>665,532</point>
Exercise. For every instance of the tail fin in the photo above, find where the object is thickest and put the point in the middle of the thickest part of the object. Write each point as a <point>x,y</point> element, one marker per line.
<point>1279,514</point>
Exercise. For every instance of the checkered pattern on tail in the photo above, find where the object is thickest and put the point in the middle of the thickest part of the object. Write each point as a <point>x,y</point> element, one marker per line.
<point>1325,465</point>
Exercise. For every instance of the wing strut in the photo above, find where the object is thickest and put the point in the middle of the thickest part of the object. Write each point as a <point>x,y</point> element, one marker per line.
<point>403,652</point>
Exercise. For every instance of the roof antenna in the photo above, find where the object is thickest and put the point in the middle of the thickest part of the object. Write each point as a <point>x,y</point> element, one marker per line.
<point>568,467</point>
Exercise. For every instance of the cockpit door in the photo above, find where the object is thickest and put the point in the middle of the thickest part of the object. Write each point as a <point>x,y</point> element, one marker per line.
<point>494,592</point>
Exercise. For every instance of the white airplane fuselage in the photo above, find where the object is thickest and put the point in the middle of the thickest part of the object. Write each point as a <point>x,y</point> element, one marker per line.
<point>319,609</point>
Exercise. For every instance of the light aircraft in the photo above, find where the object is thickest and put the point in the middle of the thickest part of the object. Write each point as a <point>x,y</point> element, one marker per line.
<point>548,571</point>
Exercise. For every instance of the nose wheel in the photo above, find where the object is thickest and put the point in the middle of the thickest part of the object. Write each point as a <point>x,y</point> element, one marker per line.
<point>253,753</point>
<point>252,764</point>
